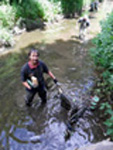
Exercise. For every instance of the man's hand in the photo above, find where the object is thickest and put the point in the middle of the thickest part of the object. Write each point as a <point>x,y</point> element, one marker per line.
<point>55,81</point>
<point>26,85</point>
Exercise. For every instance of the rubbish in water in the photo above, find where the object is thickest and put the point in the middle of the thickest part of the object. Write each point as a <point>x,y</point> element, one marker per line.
<point>95,98</point>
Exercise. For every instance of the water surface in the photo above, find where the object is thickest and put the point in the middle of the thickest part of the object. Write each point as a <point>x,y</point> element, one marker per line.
<point>69,60</point>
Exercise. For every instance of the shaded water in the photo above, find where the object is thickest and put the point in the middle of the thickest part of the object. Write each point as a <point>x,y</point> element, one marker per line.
<point>68,59</point>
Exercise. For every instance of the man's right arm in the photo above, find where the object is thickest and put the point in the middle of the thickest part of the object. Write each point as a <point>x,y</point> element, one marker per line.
<point>23,77</point>
<point>26,85</point>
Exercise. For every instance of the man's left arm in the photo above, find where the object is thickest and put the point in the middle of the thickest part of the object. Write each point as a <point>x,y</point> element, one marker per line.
<point>46,70</point>
<point>52,76</point>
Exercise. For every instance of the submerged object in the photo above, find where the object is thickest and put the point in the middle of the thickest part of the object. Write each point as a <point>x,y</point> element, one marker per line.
<point>74,118</point>
<point>65,102</point>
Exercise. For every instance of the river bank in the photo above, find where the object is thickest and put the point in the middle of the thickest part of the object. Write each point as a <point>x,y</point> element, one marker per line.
<point>104,145</point>
<point>23,40</point>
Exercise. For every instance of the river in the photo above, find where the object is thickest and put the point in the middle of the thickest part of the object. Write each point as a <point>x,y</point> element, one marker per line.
<point>69,60</point>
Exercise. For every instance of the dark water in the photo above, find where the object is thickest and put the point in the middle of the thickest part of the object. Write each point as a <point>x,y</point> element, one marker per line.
<point>69,60</point>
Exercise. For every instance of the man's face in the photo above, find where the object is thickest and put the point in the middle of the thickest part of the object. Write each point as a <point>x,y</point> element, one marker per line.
<point>33,57</point>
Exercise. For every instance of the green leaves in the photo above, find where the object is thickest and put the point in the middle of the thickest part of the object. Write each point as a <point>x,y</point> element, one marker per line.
<point>105,106</point>
<point>103,52</point>
<point>109,122</point>
<point>6,16</point>
<point>69,7</point>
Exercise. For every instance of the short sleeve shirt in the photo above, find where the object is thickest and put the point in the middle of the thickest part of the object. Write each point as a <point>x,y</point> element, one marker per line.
<point>27,72</point>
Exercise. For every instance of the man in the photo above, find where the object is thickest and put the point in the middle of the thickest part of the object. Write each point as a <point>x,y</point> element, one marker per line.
<point>33,79</point>
<point>94,6</point>
<point>84,23</point>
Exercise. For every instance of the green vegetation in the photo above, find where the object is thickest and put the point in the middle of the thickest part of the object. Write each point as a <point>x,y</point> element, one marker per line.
<point>7,16</point>
<point>103,57</point>
<point>34,9</point>
<point>70,7</point>
<point>108,112</point>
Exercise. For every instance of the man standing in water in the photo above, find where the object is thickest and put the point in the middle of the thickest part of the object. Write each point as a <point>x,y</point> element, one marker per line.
<point>33,79</point>
<point>84,23</point>
<point>94,6</point>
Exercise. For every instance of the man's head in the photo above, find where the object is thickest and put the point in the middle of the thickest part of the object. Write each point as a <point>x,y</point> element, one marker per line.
<point>33,56</point>
<point>33,50</point>
<point>84,19</point>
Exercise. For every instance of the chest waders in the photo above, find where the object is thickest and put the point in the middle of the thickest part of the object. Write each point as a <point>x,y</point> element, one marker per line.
<point>38,72</point>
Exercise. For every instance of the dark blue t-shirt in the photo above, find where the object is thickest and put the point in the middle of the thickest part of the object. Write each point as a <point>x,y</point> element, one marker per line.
<point>27,72</point>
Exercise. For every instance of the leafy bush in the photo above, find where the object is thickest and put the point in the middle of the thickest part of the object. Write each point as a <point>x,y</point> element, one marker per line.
<point>50,9</point>
<point>29,9</point>
<point>109,122</point>
<point>7,16</point>
<point>7,21</point>
<point>103,52</point>
<point>6,38</point>
<point>103,57</point>
<point>34,9</point>
<point>70,7</point>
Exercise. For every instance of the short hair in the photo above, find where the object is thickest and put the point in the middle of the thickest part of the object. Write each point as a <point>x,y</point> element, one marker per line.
<point>33,50</point>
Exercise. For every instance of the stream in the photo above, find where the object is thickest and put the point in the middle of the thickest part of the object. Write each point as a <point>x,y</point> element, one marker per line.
<point>69,60</point>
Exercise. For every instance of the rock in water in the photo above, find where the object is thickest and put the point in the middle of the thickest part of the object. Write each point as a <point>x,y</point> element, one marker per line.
<point>35,139</point>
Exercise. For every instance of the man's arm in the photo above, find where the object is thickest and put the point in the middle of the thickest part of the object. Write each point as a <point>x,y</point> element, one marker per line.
<point>46,70</point>
<point>26,85</point>
<point>23,78</point>
<point>53,77</point>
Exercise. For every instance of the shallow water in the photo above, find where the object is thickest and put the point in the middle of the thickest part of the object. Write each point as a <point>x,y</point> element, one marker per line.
<point>69,60</point>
